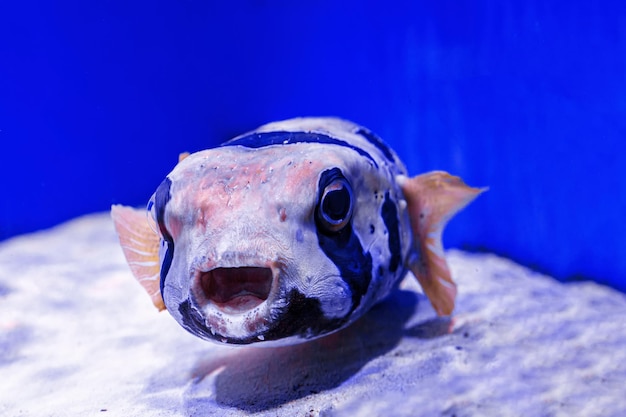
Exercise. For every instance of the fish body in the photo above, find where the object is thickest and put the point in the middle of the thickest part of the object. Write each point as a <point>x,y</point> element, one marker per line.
<point>290,232</point>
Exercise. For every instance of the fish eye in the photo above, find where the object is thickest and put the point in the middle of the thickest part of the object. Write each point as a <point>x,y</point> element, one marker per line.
<point>335,207</point>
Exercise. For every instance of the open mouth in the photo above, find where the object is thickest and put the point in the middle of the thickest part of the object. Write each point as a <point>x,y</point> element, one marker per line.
<point>236,290</point>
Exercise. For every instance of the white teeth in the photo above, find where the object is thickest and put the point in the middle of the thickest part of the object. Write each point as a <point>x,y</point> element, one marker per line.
<point>212,331</point>
<point>260,337</point>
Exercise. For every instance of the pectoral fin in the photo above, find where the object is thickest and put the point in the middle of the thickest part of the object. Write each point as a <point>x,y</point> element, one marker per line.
<point>432,199</point>
<point>141,249</point>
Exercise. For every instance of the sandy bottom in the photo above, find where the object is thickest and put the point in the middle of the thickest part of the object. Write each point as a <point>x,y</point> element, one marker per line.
<point>78,337</point>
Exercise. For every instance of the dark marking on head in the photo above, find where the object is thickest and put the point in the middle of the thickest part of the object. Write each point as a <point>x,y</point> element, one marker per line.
<point>299,236</point>
<point>302,317</point>
<point>376,141</point>
<point>161,198</point>
<point>389,214</point>
<point>193,321</point>
<point>261,140</point>
<point>344,249</point>
<point>372,229</point>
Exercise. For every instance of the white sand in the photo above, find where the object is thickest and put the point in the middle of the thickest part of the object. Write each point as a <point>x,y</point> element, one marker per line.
<point>78,337</point>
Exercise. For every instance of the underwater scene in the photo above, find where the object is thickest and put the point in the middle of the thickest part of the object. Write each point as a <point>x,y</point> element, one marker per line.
<point>258,208</point>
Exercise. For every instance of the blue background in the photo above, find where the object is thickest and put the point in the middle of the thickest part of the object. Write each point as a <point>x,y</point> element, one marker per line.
<point>97,98</point>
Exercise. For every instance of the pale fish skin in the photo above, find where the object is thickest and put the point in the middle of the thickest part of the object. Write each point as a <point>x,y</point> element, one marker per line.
<point>290,232</point>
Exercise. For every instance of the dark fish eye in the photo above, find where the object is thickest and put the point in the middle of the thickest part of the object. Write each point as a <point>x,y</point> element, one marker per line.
<point>336,203</point>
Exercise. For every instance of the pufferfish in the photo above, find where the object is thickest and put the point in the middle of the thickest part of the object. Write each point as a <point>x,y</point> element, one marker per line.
<point>290,232</point>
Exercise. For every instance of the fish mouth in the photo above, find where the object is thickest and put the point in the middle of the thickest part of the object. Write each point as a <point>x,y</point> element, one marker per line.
<point>236,290</point>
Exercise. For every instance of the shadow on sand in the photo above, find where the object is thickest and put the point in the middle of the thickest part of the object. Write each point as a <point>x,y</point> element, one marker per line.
<point>256,379</point>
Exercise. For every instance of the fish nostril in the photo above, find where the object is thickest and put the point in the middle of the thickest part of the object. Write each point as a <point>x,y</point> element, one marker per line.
<point>236,290</point>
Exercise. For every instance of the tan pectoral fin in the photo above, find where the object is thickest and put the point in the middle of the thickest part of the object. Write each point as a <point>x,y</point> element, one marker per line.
<point>432,199</point>
<point>141,249</point>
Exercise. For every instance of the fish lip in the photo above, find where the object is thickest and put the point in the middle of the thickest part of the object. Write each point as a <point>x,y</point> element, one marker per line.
<point>254,297</point>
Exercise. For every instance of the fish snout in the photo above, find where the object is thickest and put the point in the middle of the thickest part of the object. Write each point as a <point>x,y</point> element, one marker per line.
<point>234,282</point>
<point>232,299</point>
<point>234,290</point>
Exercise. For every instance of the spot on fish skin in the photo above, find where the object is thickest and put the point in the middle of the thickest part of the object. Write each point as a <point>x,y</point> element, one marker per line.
<point>299,236</point>
<point>282,212</point>
<point>372,229</point>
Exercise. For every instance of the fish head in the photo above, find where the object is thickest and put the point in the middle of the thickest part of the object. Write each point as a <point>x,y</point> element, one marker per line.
<point>275,245</point>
